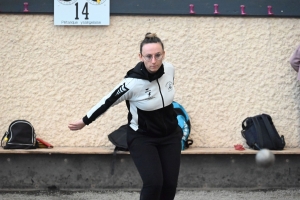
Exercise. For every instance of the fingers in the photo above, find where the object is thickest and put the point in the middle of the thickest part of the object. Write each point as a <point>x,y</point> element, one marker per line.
<point>73,127</point>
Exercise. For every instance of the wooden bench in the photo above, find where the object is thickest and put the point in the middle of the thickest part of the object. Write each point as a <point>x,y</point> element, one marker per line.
<point>109,150</point>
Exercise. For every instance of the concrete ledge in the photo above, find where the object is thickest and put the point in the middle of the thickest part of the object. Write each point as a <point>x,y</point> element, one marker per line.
<point>107,150</point>
<point>90,168</point>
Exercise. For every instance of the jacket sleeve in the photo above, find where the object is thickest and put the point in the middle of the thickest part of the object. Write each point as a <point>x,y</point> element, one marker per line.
<point>123,91</point>
<point>295,59</point>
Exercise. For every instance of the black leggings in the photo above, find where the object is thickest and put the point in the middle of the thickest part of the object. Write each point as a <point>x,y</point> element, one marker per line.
<point>158,163</point>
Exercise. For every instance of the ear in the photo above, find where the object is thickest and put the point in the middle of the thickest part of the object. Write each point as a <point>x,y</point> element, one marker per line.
<point>164,55</point>
<point>141,57</point>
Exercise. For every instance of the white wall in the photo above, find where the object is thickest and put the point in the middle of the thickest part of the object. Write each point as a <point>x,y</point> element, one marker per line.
<point>226,70</point>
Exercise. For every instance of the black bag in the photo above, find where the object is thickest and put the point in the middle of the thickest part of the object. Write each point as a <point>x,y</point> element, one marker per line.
<point>119,138</point>
<point>20,135</point>
<point>260,132</point>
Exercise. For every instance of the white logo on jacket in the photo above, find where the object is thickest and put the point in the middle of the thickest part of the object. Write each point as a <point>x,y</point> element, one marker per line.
<point>122,89</point>
<point>169,86</point>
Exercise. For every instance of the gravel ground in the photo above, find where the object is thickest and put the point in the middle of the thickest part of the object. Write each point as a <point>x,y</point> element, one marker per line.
<point>291,194</point>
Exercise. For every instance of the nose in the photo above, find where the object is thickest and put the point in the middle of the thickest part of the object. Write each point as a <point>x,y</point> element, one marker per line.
<point>153,59</point>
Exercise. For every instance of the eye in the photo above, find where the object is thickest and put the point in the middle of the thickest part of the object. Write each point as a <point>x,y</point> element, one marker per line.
<point>157,55</point>
<point>149,57</point>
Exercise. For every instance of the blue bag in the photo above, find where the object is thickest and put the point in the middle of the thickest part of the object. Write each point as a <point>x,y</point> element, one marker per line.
<point>184,123</point>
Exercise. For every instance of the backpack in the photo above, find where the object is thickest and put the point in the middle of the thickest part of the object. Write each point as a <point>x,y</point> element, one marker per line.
<point>119,138</point>
<point>260,132</point>
<point>185,124</point>
<point>20,135</point>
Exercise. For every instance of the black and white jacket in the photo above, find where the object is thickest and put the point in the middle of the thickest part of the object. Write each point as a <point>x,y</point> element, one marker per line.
<point>148,98</point>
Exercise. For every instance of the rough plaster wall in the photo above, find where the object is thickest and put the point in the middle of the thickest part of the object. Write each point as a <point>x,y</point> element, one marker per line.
<point>226,70</point>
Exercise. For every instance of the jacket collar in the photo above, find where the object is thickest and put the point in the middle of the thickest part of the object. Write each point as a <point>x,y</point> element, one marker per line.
<point>140,72</point>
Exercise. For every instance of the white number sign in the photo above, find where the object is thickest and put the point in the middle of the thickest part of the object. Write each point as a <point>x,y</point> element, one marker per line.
<point>81,12</point>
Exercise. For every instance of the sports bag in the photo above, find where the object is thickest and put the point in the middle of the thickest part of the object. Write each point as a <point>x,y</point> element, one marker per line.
<point>20,135</point>
<point>119,138</point>
<point>260,132</point>
<point>185,124</point>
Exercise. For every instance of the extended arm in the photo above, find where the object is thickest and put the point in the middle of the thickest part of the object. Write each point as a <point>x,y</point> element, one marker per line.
<point>117,95</point>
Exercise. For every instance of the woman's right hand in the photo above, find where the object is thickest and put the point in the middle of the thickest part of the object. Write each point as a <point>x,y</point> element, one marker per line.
<point>76,125</point>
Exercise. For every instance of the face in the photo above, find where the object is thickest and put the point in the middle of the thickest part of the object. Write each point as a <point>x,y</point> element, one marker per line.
<point>152,55</point>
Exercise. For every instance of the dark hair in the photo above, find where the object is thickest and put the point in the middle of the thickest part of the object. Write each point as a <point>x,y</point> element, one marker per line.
<point>151,38</point>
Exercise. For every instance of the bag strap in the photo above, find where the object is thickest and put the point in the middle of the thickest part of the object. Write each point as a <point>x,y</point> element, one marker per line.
<point>5,134</point>
<point>256,145</point>
<point>244,129</point>
<point>259,132</point>
<point>188,143</point>
<point>243,123</point>
<point>113,161</point>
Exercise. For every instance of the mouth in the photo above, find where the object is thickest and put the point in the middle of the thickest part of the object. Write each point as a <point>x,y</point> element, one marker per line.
<point>152,69</point>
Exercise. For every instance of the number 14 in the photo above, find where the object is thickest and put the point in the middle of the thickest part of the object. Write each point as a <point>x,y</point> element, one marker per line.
<point>85,11</point>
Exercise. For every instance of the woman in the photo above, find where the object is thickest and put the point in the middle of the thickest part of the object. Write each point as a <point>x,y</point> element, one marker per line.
<point>153,134</point>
